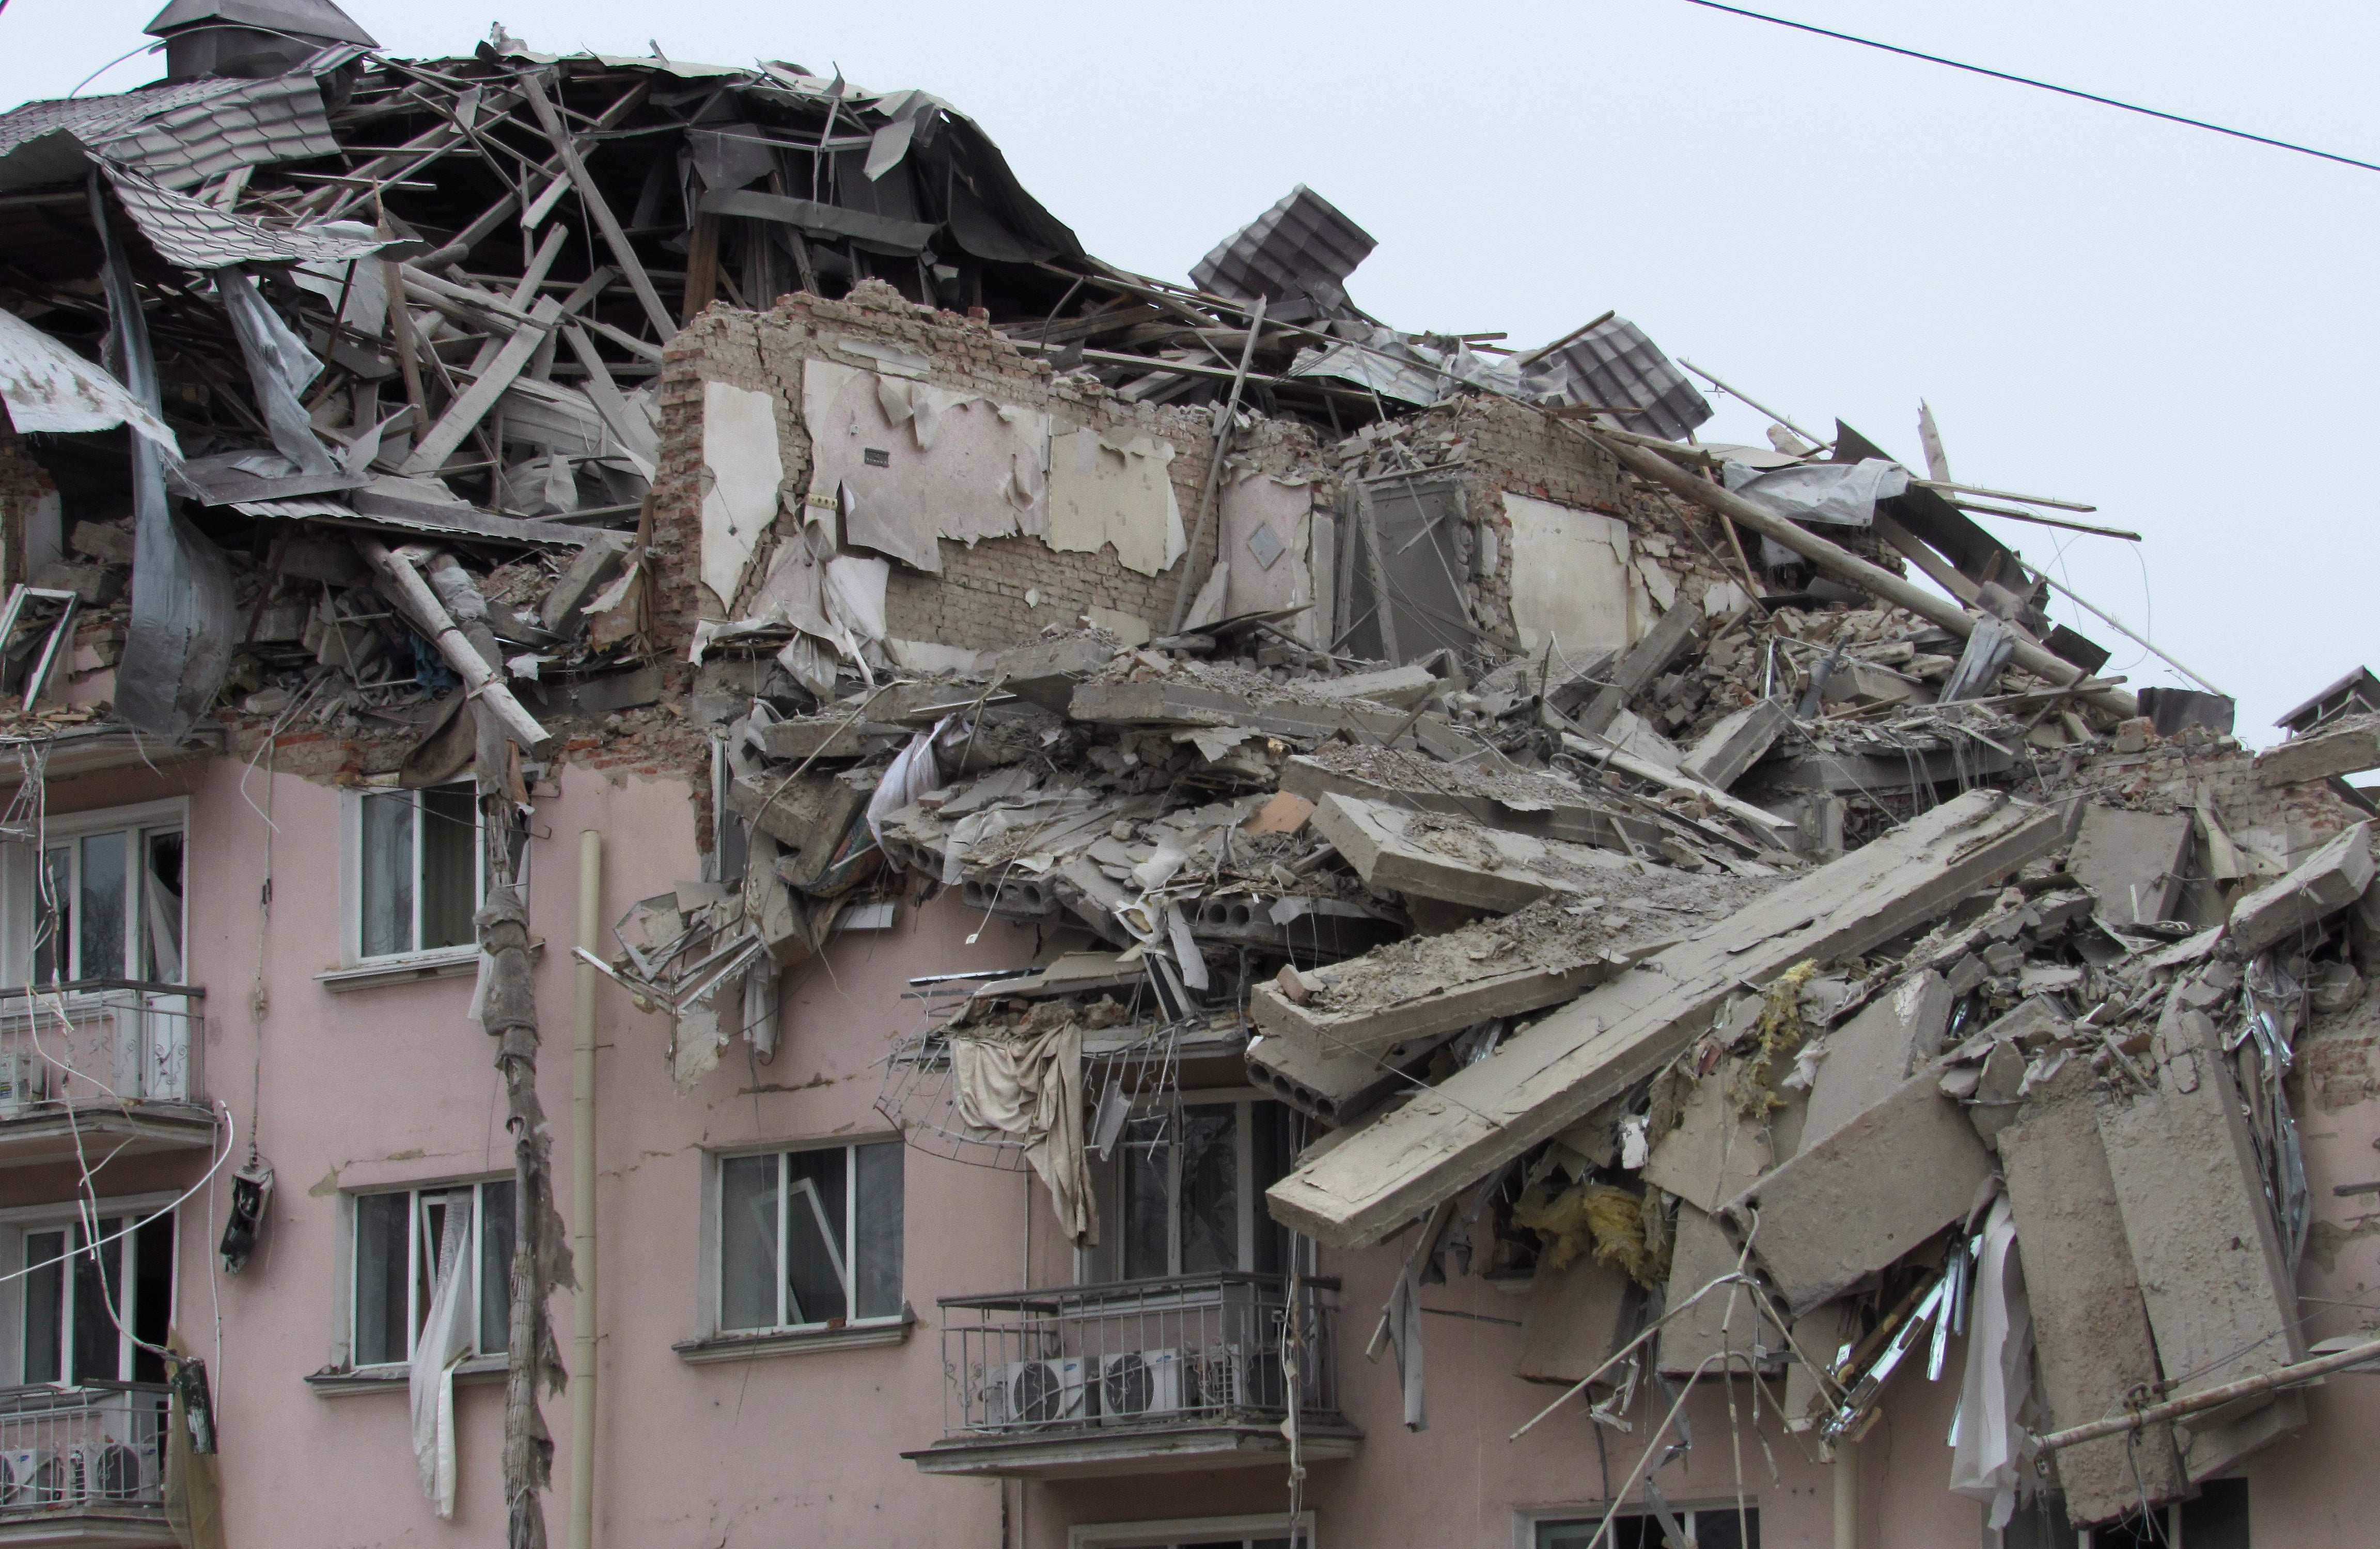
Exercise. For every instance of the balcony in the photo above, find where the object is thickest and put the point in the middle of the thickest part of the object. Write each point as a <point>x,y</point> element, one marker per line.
<point>111,1066</point>
<point>1141,1377</point>
<point>83,1466</point>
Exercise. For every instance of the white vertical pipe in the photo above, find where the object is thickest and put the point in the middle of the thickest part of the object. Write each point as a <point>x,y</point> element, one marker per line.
<point>582,1197</point>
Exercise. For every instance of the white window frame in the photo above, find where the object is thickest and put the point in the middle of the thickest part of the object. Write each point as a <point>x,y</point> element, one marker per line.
<point>1192,1530</point>
<point>1251,1201</point>
<point>17,1222</point>
<point>711,1258</point>
<point>20,907</point>
<point>344,1271</point>
<point>351,880</point>
<point>1526,1521</point>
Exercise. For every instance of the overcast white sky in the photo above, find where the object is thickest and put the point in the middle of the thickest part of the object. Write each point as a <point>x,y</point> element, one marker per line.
<point>2175,326</point>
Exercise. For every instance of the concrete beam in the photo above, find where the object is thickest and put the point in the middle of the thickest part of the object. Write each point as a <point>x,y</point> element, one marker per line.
<point>2329,880</point>
<point>2132,862</point>
<point>2347,748</point>
<point>1549,1077</point>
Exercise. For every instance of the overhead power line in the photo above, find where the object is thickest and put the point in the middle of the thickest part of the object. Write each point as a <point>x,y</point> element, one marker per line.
<point>2042,85</point>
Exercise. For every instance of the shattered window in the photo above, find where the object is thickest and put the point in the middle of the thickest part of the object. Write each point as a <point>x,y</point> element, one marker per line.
<point>418,873</point>
<point>104,902</point>
<point>811,1239</point>
<point>1716,1527</point>
<point>396,1289</point>
<point>1188,1193</point>
<point>91,1297</point>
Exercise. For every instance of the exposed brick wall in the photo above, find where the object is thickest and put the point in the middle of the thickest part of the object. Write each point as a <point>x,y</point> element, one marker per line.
<point>979,601</point>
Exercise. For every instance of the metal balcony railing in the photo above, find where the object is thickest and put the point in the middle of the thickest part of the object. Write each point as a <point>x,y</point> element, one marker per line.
<point>1189,1351</point>
<point>68,1450</point>
<point>100,1042</point>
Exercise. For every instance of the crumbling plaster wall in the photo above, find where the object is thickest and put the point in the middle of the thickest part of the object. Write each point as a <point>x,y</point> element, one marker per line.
<point>998,592</point>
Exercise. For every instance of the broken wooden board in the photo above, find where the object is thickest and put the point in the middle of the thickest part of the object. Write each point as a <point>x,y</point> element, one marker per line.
<point>1455,860</point>
<point>1549,1077</point>
<point>2132,862</point>
<point>1852,1202</point>
<point>1739,740</point>
<point>2092,1333</point>
<point>1163,703</point>
<point>1765,825</point>
<point>2185,1178</point>
<point>2350,748</point>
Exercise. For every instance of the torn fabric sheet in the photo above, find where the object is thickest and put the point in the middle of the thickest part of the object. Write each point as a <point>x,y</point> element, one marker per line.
<point>50,388</point>
<point>914,772</point>
<point>1986,1457</point>
<point>445,1340</point>
<point>1843,493</point>
<point>1028,1088</point>
<point>279,368</point>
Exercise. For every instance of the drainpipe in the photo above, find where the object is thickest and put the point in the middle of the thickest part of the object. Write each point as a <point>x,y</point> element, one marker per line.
<point>1846,1493</point>
<point>582,1197</point>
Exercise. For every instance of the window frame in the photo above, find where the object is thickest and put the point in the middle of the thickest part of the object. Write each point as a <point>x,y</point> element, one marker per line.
<point>351,878</point>
<point>20,905</point>
<point>1108,1186</point>
<point>713,1257</point>
<point>1529,1519</point>
<point>19,1222</point>
<point>1180,1530</point>
<point>349,1286</point>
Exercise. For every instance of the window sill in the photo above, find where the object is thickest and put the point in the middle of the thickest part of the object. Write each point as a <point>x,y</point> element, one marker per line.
<point>334,1382</point>
<point>748,1347</point>
<point>449,962</point>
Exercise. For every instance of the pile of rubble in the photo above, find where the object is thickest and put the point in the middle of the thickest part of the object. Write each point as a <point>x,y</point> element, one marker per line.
<point>1755,1048</point>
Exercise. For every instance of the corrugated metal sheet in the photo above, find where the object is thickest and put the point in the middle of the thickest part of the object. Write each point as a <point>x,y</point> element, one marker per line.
<point>312,18</point>
<point>1615,365</point>
<point>1303,245</point>
<point>182,134</point>
<point>197,236</point>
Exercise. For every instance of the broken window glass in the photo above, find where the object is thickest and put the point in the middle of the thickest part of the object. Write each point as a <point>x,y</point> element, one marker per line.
<point>398,1235</point>
<point>101,917</point>
<point>419,872</point>
<point>387,873</point>
<point>807,1237</point>
<point>162,908</point>
<point>1210,1188</point>
<point>53,941</point>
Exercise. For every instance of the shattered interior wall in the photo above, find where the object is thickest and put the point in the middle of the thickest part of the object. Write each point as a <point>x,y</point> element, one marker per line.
<point>27,494</point>
<point>1001,589</point>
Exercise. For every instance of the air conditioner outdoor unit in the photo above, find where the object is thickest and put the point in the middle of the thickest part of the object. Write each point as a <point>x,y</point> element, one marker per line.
<point>1218,1377</point>
<point>20,1083</point>
<point>111,1474</point>
<point>1039,1393</point>
<point>18,1467</point>
<point>43,1477</point>
<point>1139,1383</point>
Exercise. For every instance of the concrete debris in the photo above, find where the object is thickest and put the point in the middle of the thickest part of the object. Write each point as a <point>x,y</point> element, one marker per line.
<point>1768,910</point>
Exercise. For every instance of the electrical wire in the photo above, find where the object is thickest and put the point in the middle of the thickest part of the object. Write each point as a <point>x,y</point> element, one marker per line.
<point>2038,85</point>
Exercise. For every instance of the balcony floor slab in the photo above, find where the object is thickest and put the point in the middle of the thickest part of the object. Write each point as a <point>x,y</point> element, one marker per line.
<point>1096,1452</point>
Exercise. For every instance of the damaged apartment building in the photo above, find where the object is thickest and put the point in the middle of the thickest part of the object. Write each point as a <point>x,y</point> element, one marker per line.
<point>1181,918</point>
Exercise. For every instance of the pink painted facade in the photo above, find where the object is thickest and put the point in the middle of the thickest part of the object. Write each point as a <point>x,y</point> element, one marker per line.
<point>367,1089</point>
